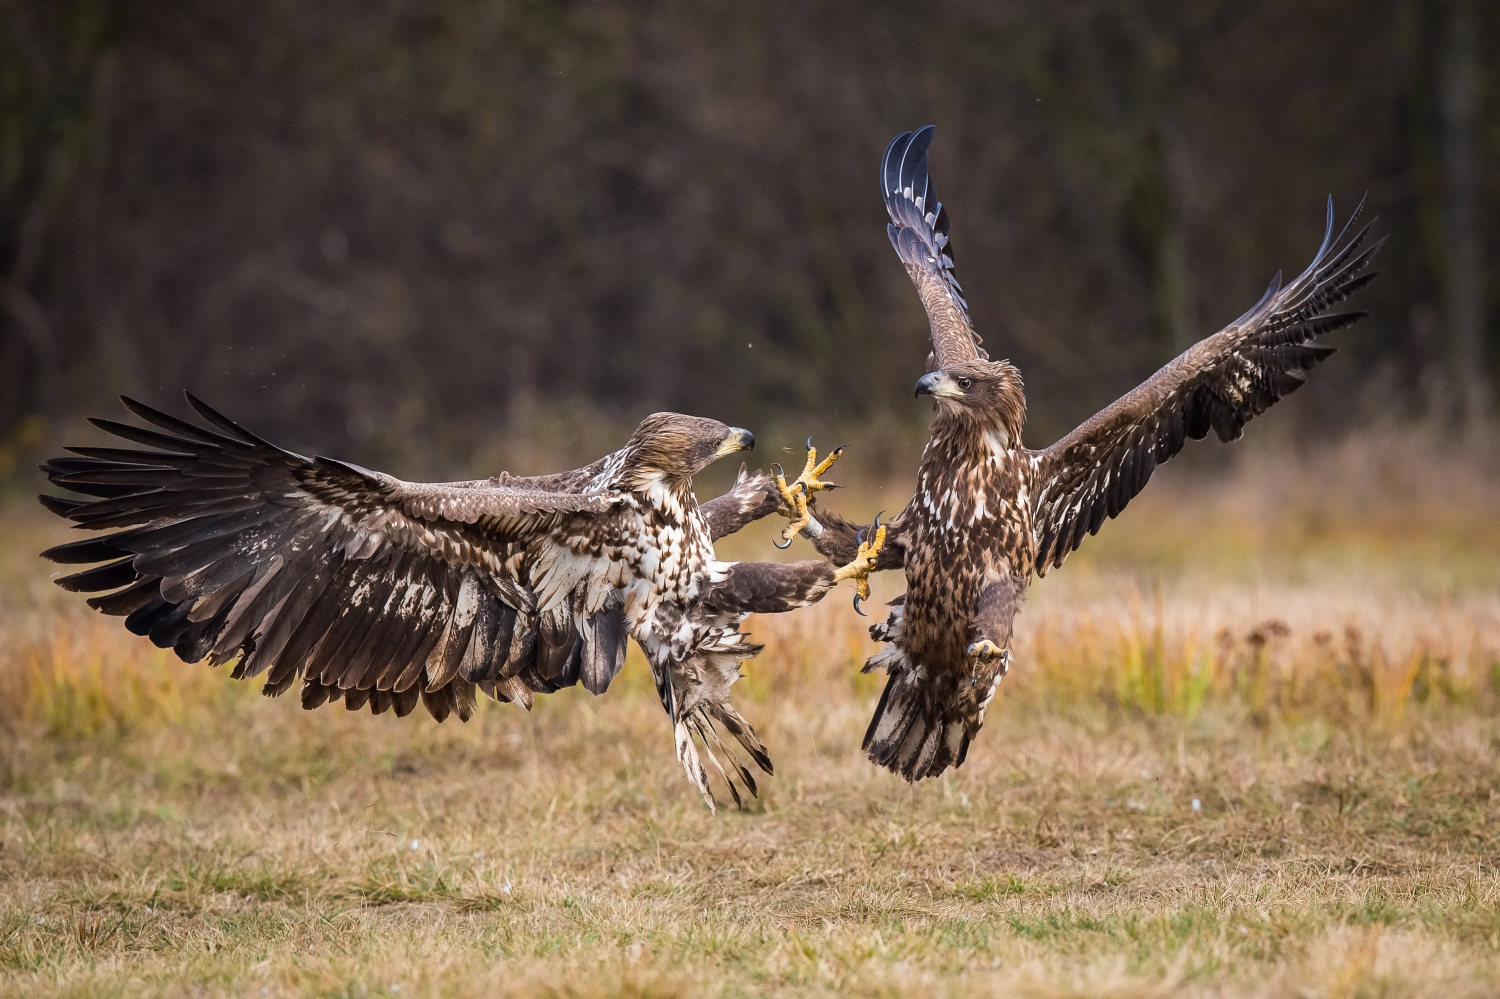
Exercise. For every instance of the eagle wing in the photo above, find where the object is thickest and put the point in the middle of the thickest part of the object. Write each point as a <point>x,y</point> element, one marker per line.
<point>751,498</point>
<point>919,232</point>
<point>375,590</point>
<point>1218,384</point>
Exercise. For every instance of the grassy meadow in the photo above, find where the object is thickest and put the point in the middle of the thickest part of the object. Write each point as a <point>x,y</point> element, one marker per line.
<point>1250,747</point>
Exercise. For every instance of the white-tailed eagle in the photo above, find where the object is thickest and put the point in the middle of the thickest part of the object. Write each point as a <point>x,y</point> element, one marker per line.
<point>988,512</point>
<point>374,591</point>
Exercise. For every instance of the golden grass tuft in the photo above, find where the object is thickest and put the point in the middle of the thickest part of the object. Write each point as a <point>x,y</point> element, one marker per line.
<point>1249,748</point>
<point>83,682</point>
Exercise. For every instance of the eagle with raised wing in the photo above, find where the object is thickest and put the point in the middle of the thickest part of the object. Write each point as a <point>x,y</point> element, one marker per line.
<point>988,512</point>
<point>375,591</point>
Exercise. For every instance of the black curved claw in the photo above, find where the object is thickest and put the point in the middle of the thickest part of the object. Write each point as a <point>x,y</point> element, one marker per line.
<point>876,525</point>
<point>809,442</point>
<point>859,536</point>
<point>777,469</point>
<point>856,607</point>
<point>783,547</point>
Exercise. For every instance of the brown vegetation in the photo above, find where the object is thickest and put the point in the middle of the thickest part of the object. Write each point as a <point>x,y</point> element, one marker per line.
<point>1249,748</point>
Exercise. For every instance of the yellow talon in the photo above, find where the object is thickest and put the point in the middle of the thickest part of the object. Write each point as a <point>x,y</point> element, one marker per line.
<point>985,651</point>
<point>810,480</point>
<point>863,563</point>
<point>788,493</point>
<point>795,497</point>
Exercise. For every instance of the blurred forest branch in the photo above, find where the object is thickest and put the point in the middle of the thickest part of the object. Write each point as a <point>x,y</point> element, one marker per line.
<point>407,228</point>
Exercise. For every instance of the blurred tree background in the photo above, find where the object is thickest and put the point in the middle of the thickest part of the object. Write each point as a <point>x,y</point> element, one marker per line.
<point>412,231</point>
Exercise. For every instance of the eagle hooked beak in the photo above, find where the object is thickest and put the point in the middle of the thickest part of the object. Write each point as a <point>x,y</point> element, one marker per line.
<point>939,386</point>
<point>738,440</point>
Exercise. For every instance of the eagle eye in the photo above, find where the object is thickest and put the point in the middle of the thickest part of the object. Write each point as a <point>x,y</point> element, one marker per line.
<point>964,383</point>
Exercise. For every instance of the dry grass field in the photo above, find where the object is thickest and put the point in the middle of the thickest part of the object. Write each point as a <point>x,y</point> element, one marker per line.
<point>1250,747</point>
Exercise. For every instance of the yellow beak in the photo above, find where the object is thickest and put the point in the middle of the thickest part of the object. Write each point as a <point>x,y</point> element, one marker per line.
<point>738,440</point>
<point>939,386</point>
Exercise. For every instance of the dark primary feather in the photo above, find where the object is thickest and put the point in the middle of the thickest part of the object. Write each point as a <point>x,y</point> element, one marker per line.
<point>372,590</point>
<point>919,232</point>
<point>382,593</point>
<point>603,651</point>
<point>1218,385</point>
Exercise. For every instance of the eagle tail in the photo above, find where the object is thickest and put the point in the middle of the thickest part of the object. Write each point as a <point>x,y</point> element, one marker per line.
<point>696,696</point>
<point>916,732</point>
<point>697,727</point>
<point>913,733</point>
<point>692,765</point>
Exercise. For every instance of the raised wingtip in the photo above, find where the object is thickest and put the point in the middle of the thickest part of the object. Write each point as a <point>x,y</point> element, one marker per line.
<point>139,408</point>
<point>914,159</point>
<point>902,156</point>
<point>921,139</point>
<point>213,416</point>
<point>891,155</point>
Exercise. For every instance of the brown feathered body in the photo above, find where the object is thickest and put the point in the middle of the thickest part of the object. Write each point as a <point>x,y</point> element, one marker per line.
<point>969,553</point>
<point>988,513</point>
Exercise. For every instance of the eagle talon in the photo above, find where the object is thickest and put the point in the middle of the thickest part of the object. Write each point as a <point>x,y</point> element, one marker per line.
<point>795,497</point>
<point>985,651</point>
<point>863,563</point>
<point>793,507</point>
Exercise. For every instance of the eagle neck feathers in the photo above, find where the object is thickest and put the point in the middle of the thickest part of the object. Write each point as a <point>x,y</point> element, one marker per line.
<point>973,490</point>
<point>976,434</point>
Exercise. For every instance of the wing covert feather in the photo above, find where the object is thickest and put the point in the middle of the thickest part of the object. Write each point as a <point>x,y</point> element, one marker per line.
<point>1219,384</point>
<point>224,546</point>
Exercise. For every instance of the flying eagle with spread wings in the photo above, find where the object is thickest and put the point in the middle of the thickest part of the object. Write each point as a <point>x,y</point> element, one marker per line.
<point>988,512</point>
<point>380,592</point>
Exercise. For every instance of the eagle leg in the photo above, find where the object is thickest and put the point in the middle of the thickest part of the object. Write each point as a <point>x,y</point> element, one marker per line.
<point>795,497</point>
<point>863,563</point>
<point>864,591</point>
<point>985,651</point>
<point>793,506</point>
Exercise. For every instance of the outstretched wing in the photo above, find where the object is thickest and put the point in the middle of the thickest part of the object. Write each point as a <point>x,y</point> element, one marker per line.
<point>379,591</point>
<point>751,498</point>
<point>919,232</point>
<point>1218,384</point>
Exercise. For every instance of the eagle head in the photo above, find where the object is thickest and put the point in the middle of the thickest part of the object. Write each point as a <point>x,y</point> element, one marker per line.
<point>672,448</point>
<point>979,396</point>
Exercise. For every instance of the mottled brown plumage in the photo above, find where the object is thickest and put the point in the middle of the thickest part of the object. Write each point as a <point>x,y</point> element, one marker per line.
<point>380,592</point>
<point>988,512</point>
